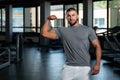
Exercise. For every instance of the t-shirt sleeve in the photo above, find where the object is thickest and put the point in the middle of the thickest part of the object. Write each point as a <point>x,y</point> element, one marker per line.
<point>58,32</point>
<point>92,34</point>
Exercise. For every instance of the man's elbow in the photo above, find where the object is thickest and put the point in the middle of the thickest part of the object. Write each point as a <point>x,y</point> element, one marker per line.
<point>46,35</point>
<point>43,34</point>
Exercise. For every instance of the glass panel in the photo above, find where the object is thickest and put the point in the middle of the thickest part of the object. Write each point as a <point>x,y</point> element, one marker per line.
<point>3,20</point>
<point>100,22</point>
<point>0,19</point>
<point>27,23</point>
<point>114,13</point>
<point>58,11</point>
<point>33,19</point>
<point>81,13</point>
<point>38,29</point>
<point>17,19</point>
<point>100,16</point>
<point>30,19</point>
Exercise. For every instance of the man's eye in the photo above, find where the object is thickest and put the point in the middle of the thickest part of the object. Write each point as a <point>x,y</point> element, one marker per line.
<point>73,15</point>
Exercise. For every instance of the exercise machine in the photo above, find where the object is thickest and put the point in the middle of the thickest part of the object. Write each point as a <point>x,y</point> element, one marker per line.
<point>17,50</point>
<point>4,57</point>
<point>110,38</point>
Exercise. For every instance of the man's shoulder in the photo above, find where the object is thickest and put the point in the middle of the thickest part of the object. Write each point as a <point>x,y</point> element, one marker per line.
<point>86,27</point>
<point>61,28</point>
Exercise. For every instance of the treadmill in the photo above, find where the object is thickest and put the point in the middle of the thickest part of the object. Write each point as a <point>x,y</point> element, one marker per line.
<point>110,36</point>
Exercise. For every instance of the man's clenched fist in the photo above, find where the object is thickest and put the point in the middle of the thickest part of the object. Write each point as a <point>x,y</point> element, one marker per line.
<point>52,17</point>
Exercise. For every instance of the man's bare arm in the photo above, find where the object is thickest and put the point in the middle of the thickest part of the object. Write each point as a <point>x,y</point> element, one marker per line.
<point>46,31</point>
<point>96,67</point>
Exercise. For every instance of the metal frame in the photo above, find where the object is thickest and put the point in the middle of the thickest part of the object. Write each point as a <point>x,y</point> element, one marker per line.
<point>6,51</point>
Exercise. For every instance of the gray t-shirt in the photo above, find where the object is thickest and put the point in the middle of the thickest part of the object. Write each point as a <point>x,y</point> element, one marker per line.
<point>76,43</point>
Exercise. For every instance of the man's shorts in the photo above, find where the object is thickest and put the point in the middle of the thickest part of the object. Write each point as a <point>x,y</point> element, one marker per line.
<point>76,72</point>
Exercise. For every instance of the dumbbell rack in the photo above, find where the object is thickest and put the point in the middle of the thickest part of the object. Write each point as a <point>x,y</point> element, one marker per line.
<point>4,57</point>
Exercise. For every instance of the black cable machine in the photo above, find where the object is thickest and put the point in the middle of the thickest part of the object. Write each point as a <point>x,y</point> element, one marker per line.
<point>4,57</point>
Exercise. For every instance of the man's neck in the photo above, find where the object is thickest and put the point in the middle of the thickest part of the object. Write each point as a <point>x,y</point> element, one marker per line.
<point>76,25</point>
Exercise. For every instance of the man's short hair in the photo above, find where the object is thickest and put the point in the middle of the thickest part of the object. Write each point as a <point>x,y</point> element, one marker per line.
<point>71,9</point>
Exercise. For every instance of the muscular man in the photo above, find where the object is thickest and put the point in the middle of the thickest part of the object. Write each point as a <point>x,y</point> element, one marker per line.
<point>76,42</point>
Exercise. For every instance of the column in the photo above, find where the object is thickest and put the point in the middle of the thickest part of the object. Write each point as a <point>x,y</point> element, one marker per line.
<point>9,23</point>
<point>88,13</point>
<point>36,9</point>
<point>44,13</point>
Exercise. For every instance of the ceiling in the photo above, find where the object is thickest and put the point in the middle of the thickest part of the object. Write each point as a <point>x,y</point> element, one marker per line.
<point>31,3</point>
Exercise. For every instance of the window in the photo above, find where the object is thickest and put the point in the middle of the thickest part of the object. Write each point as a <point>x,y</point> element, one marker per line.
<point>58,11</point>
<point>58,23</point>
<point>17,20</point>
<point>2,20</point>
<point>100,16</point>
<point>81,13</point>
<point>32,19</point>
<point>114,13</point>
<point>100,22</point>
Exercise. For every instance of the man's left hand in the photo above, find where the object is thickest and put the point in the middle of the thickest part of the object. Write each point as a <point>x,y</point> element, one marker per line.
<point>95,69</point>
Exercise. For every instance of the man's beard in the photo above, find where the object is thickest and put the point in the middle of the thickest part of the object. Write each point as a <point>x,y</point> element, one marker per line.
<point>72,24</point>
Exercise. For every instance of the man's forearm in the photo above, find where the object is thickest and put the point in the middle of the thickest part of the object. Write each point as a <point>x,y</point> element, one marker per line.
<point>46,31</point>
<point>98,55</point>
<point>45,28</point>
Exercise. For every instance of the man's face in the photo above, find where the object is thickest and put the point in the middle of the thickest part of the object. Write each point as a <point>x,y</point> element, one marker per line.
<point>72,17</point>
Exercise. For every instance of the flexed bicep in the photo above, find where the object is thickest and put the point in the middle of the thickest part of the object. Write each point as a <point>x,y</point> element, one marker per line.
<point>46,31</point>
<point>51,34</point>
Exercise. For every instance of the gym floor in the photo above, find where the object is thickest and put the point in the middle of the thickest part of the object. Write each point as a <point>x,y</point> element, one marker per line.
<point>38,65</point>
